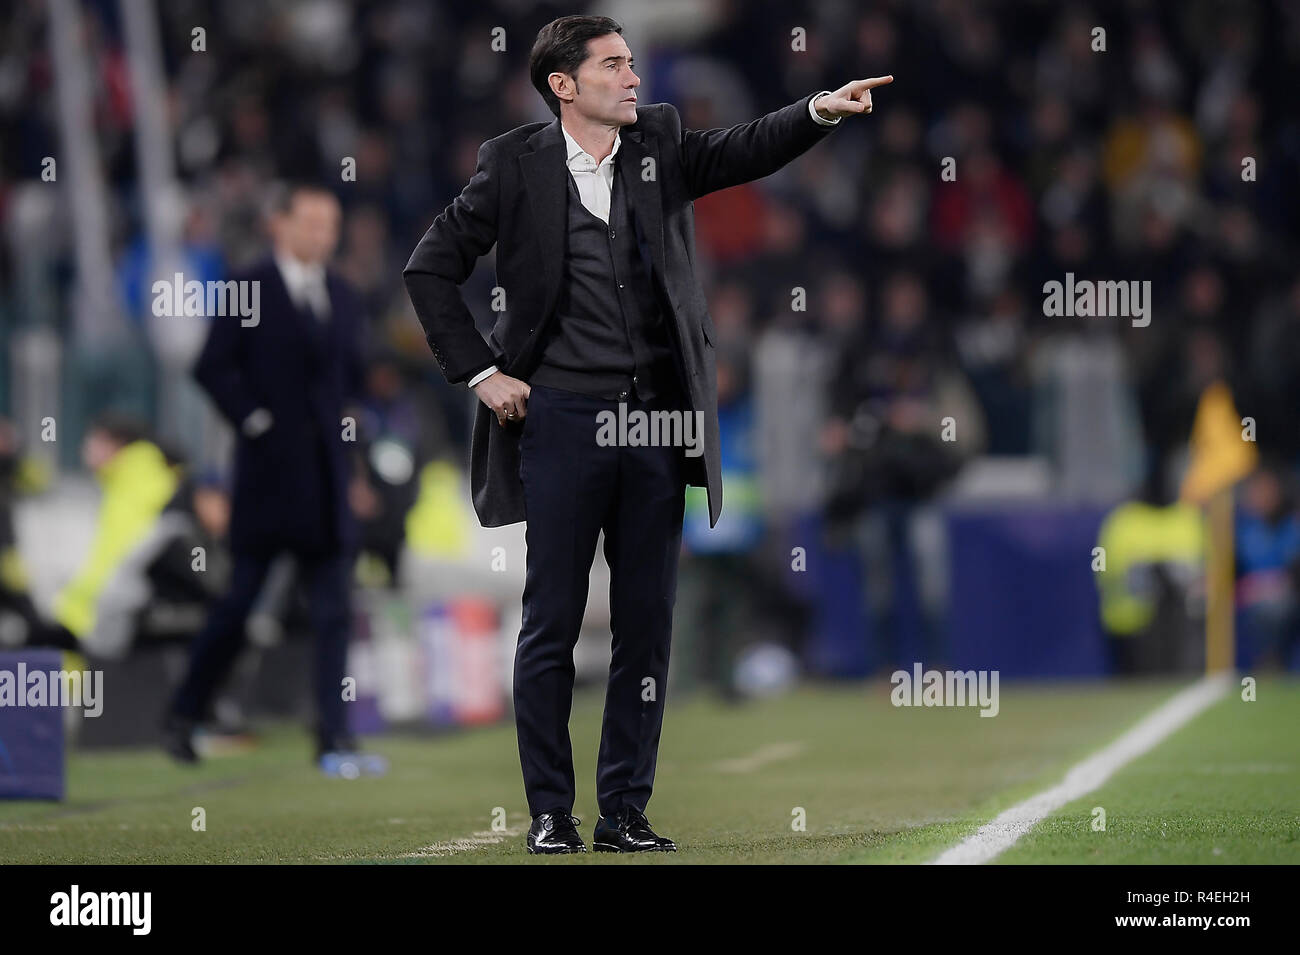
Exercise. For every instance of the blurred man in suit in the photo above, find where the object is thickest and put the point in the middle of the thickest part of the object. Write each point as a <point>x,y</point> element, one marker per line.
<point>283,382</point>
<point>592,217</point>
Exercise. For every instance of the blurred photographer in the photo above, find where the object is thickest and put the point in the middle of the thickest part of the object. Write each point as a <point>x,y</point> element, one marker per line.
<point>902,423</point>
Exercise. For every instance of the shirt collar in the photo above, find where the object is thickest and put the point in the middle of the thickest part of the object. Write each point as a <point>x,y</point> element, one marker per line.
<point>295,273</point>
<point>579,158</point>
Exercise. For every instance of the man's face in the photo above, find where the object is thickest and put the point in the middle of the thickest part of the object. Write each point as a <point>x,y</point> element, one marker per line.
<point>212,507</point>
<point>309,231</point>
<point>98,448</point>
<point>606,86</point>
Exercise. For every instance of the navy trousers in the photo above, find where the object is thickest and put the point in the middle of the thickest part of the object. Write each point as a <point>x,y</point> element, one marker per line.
<point>327,578</point>
<point>573,489</point>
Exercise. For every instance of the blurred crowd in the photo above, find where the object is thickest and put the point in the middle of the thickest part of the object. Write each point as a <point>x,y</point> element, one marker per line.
<point>878,302</point>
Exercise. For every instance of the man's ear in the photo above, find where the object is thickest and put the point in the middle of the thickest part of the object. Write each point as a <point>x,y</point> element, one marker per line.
<point>562,81</point>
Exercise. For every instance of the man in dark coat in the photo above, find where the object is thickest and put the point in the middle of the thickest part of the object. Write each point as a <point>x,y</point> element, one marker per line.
<point>604,316</point>
<point>283,380</point>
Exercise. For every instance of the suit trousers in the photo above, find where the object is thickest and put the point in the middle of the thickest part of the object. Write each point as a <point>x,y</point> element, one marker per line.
<point>327,577</point>
<point>573,489</point>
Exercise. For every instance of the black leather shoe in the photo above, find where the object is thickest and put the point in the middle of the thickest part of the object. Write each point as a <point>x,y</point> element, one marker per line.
<point>178,739</point>
<point>555,831</point>
<point>628,830</point>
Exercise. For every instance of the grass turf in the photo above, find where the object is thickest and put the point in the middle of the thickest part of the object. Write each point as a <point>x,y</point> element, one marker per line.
<point>877,784</point>
<point>1223,789</point>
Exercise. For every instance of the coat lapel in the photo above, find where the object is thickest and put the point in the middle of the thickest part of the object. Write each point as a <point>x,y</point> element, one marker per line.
<point>644,195</point>
<point>286,302</point>
<point>544,171</point>
<point>333,325</point>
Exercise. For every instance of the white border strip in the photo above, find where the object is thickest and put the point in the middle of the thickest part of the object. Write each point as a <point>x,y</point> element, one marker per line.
<point>486,837</point>
<point>1001,834</point>
<point>771,753</point>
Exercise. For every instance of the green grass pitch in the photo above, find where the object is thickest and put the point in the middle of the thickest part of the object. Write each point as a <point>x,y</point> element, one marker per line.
<point>875,784</point>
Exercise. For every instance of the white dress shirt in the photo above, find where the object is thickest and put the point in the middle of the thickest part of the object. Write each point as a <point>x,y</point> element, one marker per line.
<point>595,182</point>
<point>306,284</point>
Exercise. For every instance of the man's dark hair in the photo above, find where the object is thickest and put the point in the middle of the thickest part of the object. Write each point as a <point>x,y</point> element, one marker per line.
<point>282,194</point>
<point>121,427</point>
<point>561,47</point>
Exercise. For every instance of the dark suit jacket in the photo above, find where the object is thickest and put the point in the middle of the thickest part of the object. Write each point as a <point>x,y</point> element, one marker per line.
<point>290,486</point>
<point>517,198</point>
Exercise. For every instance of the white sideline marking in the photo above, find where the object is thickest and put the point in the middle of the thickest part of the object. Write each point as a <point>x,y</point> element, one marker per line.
<point>770,753</point>
<point>479,839</point>
<point>1002,833</point>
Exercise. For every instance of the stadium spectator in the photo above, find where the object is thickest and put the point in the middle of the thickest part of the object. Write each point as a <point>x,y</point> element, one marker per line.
<point>1268,568</point>
<point>395,449</point>
<point>137,481</point>
<point>20,622</point>
<point>718,605</point>
<point>164,587</point>
<point>902,420</point>
<point>1151,586</point>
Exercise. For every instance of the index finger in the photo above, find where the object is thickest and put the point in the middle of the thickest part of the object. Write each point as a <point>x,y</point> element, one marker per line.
<point>871,84</point>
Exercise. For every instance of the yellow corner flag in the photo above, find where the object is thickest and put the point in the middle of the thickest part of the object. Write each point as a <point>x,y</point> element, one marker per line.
<point>1221,456</point>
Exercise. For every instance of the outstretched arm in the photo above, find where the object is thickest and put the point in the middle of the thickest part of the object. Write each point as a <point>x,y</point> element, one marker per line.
<point>714,159</point>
